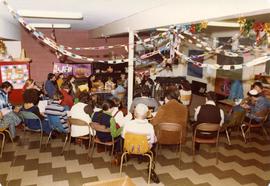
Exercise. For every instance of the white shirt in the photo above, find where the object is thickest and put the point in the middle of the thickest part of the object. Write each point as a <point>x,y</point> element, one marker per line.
<point>77,112</point>
<point>120,119</point>
<point>138,126</point>
<point>166,73</point>
<point>209,102</point>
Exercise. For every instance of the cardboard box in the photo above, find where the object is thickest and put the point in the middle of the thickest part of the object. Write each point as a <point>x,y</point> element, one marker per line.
<point>123,181</point>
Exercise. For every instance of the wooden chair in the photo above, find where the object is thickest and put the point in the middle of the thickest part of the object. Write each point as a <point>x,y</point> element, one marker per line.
<point>101,128</point>
<point>137,144</point>
<point>55,124</point>
<point>206,127</point>
<point>79,123</point>
<point>2,132</point>
<point>169,134</point>
<point>250,125</point>
<point>31,116</point>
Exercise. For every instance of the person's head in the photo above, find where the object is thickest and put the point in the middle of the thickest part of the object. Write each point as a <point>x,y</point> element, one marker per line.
<point>185,85</point>
<point>51,77</point>
<point>92,77</point>
<point>30,96</point>
<point>258,86</point>
<point>211,96</point>
<point>254,94</point>
<point>6,87</point>
<point>123,76</point>
<point>145,91</point>
<point>60,76</point>
<point>70,78</point>
<point>58,96</point>
<point>89,108</point>
<point>66,86</point>
<point>29,83</point>
<point>84,97</point>
<point>141,111</point>
<point>168,67</point>
<point>170,96</point>
<point>107,105</point>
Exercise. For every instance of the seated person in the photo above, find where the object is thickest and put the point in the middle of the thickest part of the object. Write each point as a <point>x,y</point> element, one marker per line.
<point>36,92</point>
<point>55,109</point>
<point>83,111</point>
<point>172,112</point>
<point>185,93</point>
<point>258,108</point>
<point>140,124</point>
<point>98,85</point>
<point>29,106</point>
<point>145,99</point>
<point>118,114</point>
<point>208,113</point>
<point>104,117</point>
<point>120,91</point>
<point>67,101</point>
<point>10,118</point>
<point>109,85</point>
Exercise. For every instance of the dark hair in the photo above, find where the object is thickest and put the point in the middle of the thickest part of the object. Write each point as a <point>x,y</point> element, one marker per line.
<point>171,95</point>
<point>145,91</point>
<point>258,84</point>
<point>66,85</point>
<point>6,84</point>
<point>107,104</point>
<point>50,76</point>
<point>58,96</point>
<point>89,82</point>
<point>185,85</point>
<point>84,97</point>
<point>89,108</point>
<point>70,77</point>
<point>211,95</point>
<point>58,76</point>
<point>31,96</point>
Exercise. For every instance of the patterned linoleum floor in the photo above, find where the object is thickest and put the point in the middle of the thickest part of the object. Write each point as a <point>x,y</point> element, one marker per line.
<point>239,164</point>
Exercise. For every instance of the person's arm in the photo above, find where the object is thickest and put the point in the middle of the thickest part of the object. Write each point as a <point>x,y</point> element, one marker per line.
<point>197,110</point>
<point>222,117</point>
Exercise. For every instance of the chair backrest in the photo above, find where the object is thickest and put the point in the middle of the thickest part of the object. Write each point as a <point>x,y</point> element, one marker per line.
<point>77,122</point>
<point>136,143</point>
<point>28,115</point>
<point>55,123</point>
<point>99,128</point>
<point>169,133</point>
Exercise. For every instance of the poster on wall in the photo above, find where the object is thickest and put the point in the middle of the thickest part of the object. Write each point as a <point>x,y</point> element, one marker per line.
<point>223,86</point>
<point>78,70</point>
<point>81,70</point>
<point>194,70</point>
<point>15,74</point>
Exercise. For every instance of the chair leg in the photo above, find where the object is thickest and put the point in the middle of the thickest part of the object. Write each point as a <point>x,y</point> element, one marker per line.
<point>180,154</point>
<point>228,137</point>
<point>3,143</point>
<point>150,167</point>
<point>112,153</point>
<point>49,138</point>
<point>156,151</point>
<point>193,150</point>
<point>9,134</point>
<point>216,153</point>
<point>69,142</point>
<point>92,152</point>
<point>121,163</point>
<point>243,132</point>
<point>64,144</point>
<point>40,143</point>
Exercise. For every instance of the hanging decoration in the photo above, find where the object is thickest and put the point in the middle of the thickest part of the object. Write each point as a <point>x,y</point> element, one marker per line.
<point>51,43</point>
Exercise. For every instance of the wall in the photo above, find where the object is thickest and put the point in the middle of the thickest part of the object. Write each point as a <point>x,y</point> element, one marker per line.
<point>9,31</point>
<point>43,58</point>
<point>13,48</point>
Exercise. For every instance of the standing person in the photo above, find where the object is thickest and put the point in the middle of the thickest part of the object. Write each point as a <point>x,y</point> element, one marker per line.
<point>60,80</point>
<point>208,113</point>
<point>9,117</point>
<point>185,93</point>
<point>90,81</point>
<point>50,85</point>
<point>71,80</point>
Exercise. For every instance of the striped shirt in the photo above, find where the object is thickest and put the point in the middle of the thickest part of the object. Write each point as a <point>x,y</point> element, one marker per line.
<point>56,109</point>
<point>4,100</point>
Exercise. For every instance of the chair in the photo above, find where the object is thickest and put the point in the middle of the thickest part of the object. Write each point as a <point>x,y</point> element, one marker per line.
<point>169,134</point>
<point>137,144</point>
<point>249,125</point>
<point>101,128</point>
<point>79,123</point>
<point>56,125</point>
<point>206,127</point>
<point>31,116</point>
<point>2,132</point>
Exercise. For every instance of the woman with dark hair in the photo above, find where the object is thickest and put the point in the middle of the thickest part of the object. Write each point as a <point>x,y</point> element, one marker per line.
<point>71,80</point>
<point>60,80</point>
<point>104,117</point>
<point>185,93</point>
<point>50,85</point>
<point>91,79</point>
<point>67,101</point>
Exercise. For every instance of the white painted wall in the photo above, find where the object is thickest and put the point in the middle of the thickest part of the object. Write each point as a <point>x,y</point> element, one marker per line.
<point>13,48</point>
<point>9,31</point>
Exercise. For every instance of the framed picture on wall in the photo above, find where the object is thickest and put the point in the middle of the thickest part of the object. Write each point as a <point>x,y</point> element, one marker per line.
<point>194,70</point>
<point>223,86</point>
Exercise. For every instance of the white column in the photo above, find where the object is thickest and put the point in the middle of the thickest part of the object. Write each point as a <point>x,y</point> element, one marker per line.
<point>130,67</point>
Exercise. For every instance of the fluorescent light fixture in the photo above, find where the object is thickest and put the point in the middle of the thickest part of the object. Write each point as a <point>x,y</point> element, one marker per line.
<point>50,14</point>
<point>223,24</point>
<point>49,25</point>
<point>162,29</point>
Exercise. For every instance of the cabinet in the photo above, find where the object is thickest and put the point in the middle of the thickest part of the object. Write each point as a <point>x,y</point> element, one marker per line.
<point>15,72</point>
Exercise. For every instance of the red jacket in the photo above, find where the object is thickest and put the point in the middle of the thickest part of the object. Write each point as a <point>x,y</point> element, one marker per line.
<point>67,100</point>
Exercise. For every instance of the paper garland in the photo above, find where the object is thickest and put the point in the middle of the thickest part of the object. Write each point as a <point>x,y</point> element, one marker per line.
<point>51,43</point>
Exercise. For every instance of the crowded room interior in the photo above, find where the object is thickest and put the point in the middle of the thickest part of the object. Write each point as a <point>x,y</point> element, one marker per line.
<point>124,93</point>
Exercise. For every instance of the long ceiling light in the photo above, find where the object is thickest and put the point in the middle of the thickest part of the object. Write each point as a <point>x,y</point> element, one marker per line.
<point>50,14</point>
<point>223,24</point>
<point>49,25</point>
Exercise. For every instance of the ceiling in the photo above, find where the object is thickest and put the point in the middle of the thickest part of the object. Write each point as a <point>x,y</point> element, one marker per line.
<point>113,17</point>
<point>96,13</point>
